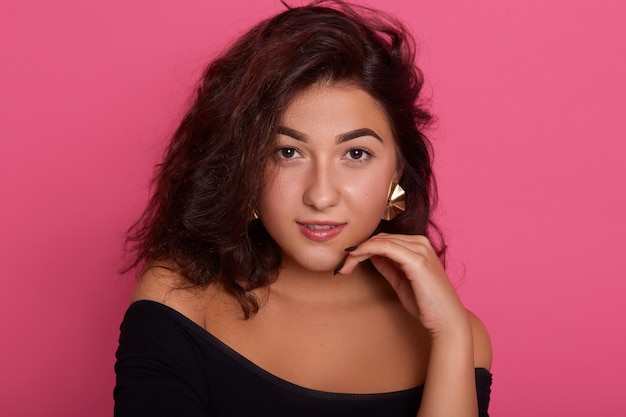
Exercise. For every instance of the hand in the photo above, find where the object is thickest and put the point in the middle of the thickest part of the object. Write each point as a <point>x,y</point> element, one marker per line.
<point>413,269</point>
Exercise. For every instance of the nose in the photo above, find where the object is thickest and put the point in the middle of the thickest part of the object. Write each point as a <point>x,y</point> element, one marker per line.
<point>322,188</point>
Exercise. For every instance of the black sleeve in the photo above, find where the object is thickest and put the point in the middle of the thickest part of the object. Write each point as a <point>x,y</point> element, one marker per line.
<point>483,390</point>
<point>157,372</point>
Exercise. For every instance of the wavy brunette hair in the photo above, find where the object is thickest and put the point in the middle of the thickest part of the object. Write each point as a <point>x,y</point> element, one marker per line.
<point>200,215</point>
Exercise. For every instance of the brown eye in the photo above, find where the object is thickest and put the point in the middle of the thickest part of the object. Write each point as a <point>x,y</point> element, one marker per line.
<point>287,153</point>
<point>358,154</point>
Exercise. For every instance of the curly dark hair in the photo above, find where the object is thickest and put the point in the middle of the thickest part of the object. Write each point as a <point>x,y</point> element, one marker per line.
<point>200,215</point>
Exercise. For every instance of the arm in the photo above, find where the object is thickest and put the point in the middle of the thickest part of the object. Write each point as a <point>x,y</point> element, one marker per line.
<point>412,268</point>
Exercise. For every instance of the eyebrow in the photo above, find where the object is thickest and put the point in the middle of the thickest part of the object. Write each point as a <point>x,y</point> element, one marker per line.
<point>344,137</point>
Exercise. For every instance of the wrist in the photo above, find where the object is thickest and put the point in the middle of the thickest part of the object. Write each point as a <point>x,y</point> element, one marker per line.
<point>454,329</point>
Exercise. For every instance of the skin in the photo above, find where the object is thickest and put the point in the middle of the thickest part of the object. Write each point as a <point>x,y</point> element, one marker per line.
<point>331,167</point>
<point>334,162</point>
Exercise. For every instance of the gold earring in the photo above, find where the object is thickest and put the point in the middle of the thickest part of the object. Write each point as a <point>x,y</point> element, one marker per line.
<point>395,202</point>
<point>255,215</point>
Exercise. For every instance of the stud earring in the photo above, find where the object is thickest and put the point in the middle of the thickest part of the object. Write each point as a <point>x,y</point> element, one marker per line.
<point>255,215</point>
<point>395,202</point>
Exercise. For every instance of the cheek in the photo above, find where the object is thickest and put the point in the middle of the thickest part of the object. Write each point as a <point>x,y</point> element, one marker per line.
<point>370,194</point>
<point>276,193</point>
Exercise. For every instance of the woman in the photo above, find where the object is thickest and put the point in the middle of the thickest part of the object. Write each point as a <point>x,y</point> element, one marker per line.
<point>281,275</point>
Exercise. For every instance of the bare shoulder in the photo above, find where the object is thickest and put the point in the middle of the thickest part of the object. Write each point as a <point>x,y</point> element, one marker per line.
<point>482,342</point>
<point>164,285</point>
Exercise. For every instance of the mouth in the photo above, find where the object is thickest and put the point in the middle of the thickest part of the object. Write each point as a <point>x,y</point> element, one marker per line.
<point>320,231</point>
<point>318,226</point>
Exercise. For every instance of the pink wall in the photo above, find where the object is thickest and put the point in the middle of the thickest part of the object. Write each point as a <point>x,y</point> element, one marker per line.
<point>531,100</point>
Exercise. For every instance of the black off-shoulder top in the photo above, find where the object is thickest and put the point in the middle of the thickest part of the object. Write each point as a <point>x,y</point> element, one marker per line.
<point>169,366</point>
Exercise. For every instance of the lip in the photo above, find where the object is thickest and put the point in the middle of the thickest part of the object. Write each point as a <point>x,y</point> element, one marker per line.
<point>320,231</point>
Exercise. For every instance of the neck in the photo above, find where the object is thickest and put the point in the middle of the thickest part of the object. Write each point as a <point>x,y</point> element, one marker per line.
<point>308,286</point>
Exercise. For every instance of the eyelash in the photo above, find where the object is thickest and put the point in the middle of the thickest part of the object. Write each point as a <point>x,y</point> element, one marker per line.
<point>365,155</point>
<point>280,152</point>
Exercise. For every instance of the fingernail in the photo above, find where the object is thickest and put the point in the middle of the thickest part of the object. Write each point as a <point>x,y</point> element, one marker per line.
<point>338,268</point>
<point>351,248</point>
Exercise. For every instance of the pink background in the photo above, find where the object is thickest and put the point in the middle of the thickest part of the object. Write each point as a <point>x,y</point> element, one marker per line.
<point>531,136</point>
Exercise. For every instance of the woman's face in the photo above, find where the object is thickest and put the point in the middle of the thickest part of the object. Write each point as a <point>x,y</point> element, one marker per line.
<point>328,180</point>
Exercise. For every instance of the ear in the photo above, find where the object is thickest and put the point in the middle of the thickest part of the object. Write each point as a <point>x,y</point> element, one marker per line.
<point>398,174</point>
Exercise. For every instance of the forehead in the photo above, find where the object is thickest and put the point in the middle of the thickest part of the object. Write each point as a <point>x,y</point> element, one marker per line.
<point>329,109</point>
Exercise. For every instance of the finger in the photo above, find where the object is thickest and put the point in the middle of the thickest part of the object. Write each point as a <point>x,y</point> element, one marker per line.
<point>418,243</point>
<point>407,254</point>
<point>389,245</point>
<point>406,238</point>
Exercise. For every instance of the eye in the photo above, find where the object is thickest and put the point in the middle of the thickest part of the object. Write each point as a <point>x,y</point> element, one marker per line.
<point>358,154</point>
<point>287,153</point>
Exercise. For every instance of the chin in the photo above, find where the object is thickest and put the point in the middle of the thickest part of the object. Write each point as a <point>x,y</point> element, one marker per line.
<point>319,264</point>
<point>320,267</point>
